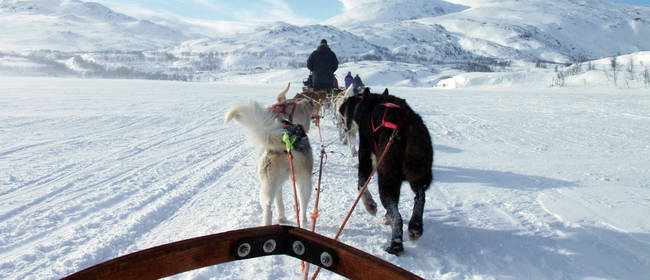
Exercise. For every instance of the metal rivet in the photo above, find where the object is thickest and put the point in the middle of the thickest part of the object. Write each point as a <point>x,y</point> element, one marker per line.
<point>243,250</point>
<point>298,248</point>
<point>269,246</point>
<point>326,259</point>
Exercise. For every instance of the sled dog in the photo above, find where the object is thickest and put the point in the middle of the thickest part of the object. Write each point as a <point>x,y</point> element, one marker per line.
<point>346,135</point>
<point>409,158</point>
<point>265,132</point>
<point>298,110</point>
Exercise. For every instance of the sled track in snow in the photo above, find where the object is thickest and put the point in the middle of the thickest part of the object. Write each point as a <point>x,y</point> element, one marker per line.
<point>144,211</point>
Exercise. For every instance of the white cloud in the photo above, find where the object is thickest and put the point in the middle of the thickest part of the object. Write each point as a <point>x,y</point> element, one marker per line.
<point>228,15</point>
<point>354,5</point>
<point>213,5</point>
<point>269,11</point>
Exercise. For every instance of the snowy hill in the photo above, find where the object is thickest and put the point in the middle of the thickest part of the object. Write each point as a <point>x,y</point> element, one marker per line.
<point>428,40</point>
<point>73,25</point>
<point>560,31</point>
<point>279,45</point>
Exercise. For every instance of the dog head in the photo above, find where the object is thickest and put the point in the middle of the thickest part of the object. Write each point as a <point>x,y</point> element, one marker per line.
<point>315,99</point>
<point>293,129</point>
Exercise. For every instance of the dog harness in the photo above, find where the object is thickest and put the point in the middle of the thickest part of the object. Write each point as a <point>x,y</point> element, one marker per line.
<point>292,133</point>
<point>387,124</point>
<point>282,108</point>
<point>311,95</point>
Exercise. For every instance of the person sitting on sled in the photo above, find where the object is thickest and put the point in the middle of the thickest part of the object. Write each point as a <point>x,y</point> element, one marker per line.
<point>323,62</point>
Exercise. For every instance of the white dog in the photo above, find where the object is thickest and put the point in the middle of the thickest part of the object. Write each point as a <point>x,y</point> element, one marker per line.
<point>265,132</point>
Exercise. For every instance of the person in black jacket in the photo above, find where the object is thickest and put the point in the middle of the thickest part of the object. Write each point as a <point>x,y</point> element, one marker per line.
<point>323,62</point>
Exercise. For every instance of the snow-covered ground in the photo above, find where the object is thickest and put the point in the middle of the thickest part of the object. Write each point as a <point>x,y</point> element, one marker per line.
<point>546,183</point>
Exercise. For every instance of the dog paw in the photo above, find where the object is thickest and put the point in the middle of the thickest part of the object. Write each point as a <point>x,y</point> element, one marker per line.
<point>395,248</point>
<point>414,235</point>
<point>283,220</point>
<point>385,220</point>
<point>370,206</point>
<point>415,230</point>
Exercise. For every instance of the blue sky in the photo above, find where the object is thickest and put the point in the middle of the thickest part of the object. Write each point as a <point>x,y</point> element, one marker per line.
<point>254,11</point>
<point>636,2</point>
<point>247,11</point>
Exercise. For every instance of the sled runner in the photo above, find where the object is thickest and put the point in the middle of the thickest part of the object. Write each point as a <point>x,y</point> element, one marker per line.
<point>186,255</point>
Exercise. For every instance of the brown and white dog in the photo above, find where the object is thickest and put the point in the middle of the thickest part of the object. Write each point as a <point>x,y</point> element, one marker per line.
<point>266,129</point>
<point>346,135</point>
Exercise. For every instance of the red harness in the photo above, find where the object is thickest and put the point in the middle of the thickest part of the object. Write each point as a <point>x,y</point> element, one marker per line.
<point>282,109</point>
<point>386,124</point>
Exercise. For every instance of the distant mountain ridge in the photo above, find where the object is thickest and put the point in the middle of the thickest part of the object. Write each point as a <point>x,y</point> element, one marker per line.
<point>88,39</point>
<point>61,7</point>
<point>73,25</point>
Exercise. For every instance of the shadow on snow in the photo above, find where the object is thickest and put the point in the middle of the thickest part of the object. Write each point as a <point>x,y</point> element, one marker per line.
<point>500,179</point>
<point>569,253</point>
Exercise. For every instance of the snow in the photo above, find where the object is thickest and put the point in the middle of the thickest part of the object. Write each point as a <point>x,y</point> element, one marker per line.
<point>541,167</point>
<point>529,182</point>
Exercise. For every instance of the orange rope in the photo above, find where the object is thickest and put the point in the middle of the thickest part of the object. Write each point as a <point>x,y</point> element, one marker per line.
<point>315,214</point>
<point>295,193</point>
<point>295,200</point>
<point>318,124</point>
<point>363,189</point>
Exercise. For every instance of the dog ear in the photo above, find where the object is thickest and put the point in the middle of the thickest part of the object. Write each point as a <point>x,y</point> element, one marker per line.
<point>282,95</point>
<point>385,92</point>
<point>366,92</point>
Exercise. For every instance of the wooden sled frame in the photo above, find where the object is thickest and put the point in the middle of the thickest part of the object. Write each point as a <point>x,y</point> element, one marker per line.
<point>173,258</point>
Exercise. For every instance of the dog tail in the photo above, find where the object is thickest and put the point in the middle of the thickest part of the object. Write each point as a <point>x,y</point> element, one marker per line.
<point>264,131</point>
<point>282,96</point>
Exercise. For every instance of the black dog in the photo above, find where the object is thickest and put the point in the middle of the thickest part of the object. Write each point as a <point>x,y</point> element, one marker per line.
<point>410,157</point>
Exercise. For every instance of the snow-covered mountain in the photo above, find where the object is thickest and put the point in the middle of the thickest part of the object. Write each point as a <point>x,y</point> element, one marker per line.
<point>73,26</point>
<point>279,45</point>
<point>549,30</point>
<point>560,31</point>
<point>88,39</point>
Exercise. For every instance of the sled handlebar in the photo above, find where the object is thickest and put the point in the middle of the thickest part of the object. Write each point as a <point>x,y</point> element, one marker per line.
<point>173,258</point>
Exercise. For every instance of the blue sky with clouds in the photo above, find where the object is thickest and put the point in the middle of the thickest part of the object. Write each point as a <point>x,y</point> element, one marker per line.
<point>251,11</point>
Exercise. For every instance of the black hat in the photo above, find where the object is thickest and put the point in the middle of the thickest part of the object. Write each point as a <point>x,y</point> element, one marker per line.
<point>323,42</point>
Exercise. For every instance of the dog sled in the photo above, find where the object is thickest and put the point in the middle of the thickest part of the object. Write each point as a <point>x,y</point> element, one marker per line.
<point>308,86</point>
<point>174,258</point>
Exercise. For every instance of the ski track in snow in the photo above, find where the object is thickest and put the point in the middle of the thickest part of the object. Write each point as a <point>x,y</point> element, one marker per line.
<point>528,184</point>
